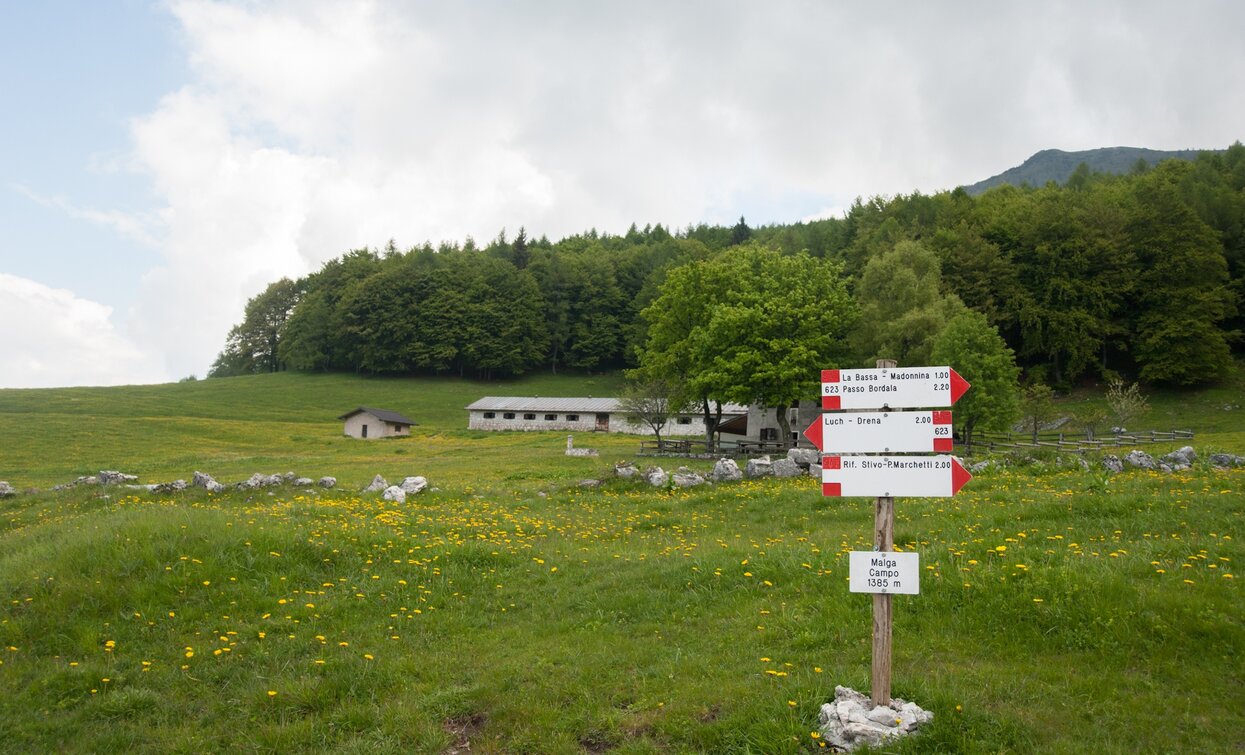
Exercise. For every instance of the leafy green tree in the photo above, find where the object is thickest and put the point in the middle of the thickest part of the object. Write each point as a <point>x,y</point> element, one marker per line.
<point>652,403</point>
<point>1127,402</point>
<point>902,306</point>
<point>1091,418</point>
<point>971,346</point>
<point>749,326</point>
<point>741,232</point>
<point>254,344</point>
<point>1183,294</point>
<point>315,334</point>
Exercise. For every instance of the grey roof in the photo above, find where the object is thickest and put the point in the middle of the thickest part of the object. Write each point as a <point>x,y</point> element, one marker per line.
<point>381,414</point>
<point>557,404</point>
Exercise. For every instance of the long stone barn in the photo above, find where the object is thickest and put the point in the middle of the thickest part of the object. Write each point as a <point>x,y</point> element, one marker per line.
<point>579,415</point>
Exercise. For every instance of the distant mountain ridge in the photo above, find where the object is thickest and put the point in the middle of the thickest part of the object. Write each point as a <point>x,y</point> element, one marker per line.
<point>1057,165</point>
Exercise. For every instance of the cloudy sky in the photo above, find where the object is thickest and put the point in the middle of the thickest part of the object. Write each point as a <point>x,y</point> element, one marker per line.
<point>162,162</point>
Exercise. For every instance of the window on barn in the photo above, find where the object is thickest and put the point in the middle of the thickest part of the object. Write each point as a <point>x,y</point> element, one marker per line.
<point>508,415</point>
<point>551,417</point>
<point>684,420</point>
<point>769,433</point>
<point>490,415</point>
<point>572,418</point>
<point>529,416</point>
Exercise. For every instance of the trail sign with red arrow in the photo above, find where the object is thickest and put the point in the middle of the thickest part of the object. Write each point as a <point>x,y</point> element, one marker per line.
<point>891,476</point>
<point>891,388</point>
<point>889,432</point>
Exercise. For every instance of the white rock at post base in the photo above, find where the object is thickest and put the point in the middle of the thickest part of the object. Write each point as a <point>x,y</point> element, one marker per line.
<point>851,721</point>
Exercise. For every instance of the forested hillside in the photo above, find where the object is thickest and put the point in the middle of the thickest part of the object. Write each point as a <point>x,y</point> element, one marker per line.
<point>1059,166</point>
<point>1138,275</point>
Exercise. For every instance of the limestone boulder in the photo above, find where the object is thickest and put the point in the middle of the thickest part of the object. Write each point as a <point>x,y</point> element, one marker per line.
<point>657,477</point>
<point>378,484</point>
<point>1140,460</point>
<point>327,482</point>
<point>207,482</point>
<point>686,478</point>
<point>804,456</point>
<point>726,470</point>
<point>113,477</point>
<point>785,468</point>
<point>414,485</point>
<point>6,490</point>
<point>395,494</point>
<point>626,470</point>
<point>759,467</point>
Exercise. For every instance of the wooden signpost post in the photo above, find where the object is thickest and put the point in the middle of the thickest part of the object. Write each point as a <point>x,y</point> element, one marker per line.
<point>882,571</point>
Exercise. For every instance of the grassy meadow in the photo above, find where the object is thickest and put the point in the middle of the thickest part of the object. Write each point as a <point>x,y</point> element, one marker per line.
<point>510,611</point>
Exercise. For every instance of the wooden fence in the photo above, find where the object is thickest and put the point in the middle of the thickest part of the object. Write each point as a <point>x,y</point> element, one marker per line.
<point>986,442</point>
<point>700,447</point>
<point>983,442</point>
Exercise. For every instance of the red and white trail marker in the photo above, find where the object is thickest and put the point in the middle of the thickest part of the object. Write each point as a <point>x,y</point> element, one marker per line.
<point>888,432</point>
<point>892,476</point>
<point>891,388</point>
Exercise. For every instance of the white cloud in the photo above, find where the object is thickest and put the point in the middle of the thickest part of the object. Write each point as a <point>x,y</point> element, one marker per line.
<point>53,338</point>
<point>310,127</point>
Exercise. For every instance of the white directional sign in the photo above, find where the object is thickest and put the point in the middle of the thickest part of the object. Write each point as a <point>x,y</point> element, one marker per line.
<point>885,572</point>
<point>891,387</point>
<point>890,432</point>
<point>873,476</point>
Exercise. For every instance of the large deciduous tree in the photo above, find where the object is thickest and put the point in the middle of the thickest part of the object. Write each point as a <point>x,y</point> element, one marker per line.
<point>902,305</point>
<point>750,325</point>
<point>254,344</point>
<point>971,346</point>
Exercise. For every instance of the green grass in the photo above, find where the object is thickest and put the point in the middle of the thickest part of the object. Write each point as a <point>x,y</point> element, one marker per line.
<point>234,427</point>
<point>1058,612</point>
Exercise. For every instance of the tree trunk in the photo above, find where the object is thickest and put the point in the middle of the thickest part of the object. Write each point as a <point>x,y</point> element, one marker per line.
<point>709,427</point>
<point>784,424</point>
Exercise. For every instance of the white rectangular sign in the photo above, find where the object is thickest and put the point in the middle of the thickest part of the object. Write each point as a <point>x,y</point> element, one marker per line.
<point>873,476</point>
<point>888,432</point>
<point>888,573</point>
<point>891,387</point>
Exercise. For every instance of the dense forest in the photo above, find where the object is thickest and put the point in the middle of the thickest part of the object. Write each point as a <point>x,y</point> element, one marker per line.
<point>1138,275</point>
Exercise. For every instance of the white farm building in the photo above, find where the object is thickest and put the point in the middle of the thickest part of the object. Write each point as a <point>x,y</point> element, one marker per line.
<point>577,414</point>
<point>365,422</point>
<point>745,423</point>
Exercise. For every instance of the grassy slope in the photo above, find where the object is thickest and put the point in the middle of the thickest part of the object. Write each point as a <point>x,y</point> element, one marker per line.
<point>267,423</point>
<point>1059,612</point>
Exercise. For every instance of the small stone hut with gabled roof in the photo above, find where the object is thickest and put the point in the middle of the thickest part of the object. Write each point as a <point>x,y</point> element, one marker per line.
<point>365,422</point>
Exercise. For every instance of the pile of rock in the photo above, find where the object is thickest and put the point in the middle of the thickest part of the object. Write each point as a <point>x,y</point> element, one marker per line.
<point>105,477</point>
<point>1180,459</point>
<point>799,461</point>
<point>397,493</point>
<point>852,721</point>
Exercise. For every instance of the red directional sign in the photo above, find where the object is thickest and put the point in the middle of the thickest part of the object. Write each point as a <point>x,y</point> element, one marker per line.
<point>891,388</point>
<point>889,432</point>
<point>873,476</point>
